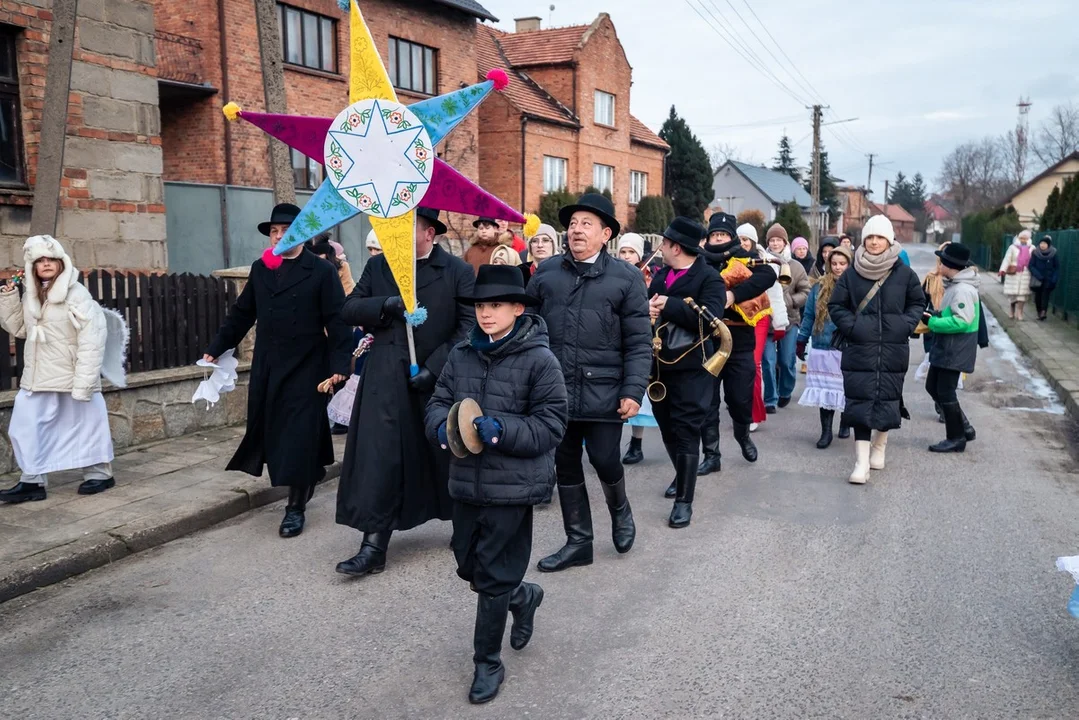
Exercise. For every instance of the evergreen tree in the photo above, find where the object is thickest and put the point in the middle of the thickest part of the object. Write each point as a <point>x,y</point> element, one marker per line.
<point>654,214</point>
<point>689,171</point>
<point>918,191</point>
<point>551,203</point>
<point>1069,204</point>
<point>1051,215</point>
<point>829,193</point>
<point>784,162</point>
<point>790,217</point>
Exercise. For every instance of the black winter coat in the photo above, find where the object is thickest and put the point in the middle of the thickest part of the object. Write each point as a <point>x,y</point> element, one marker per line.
<point>704,285</point>
<point>301,341</point>
<point>1045,268</point>
<point>391,478</point>
<point>597,317</point>
<point>743,336</point>
<point>877,351</point>
<point>520,384</point>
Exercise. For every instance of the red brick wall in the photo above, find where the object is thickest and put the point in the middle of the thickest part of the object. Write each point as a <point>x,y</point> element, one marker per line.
<point>558,81</point>
<point>500,149</point>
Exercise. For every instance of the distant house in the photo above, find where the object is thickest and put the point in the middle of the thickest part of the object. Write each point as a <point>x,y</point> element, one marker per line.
<point>854,209</point>
<point>902,221</point>
<point>739,186</point>
<point>941,219</point>
<point>1029,201</point>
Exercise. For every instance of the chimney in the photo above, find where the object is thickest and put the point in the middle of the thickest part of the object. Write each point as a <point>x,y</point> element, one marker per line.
<point>528,24</point>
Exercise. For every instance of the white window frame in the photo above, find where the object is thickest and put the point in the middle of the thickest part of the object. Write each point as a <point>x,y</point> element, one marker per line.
<point>555,173</point>
<point>604,108</point>
<point>601,173</point>
<point>638,186</point>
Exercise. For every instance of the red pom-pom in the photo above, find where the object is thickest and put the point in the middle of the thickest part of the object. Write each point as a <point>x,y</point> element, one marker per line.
<point>499,78</point>
<point>270,260</point>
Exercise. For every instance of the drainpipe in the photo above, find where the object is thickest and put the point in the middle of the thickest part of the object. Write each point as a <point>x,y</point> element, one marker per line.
<point>524,159</point>
<point>228,134</point>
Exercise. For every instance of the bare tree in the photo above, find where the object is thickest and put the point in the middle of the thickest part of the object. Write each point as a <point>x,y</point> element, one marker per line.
<point>1058,136</point>
<point>1015,156</point>
<point>976,175</point>
<point>720,153</point>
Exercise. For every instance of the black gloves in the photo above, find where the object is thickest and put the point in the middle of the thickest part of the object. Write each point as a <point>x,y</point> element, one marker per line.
<point>423,381</point>
<point>394,307</point>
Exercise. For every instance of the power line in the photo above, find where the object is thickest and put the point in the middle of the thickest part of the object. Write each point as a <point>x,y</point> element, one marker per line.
<point>769,33</point>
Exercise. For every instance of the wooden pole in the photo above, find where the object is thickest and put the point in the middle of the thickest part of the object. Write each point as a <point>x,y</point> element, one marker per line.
<point>273,83</point>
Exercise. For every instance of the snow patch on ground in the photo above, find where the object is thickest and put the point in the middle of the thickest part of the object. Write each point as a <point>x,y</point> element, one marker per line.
<point>1034,384</point>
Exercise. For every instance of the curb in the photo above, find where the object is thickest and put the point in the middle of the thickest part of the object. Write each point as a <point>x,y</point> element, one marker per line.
<point>102,548</point>
<point>1031,351</point>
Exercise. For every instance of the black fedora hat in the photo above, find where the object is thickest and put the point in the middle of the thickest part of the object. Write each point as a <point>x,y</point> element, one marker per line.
<point>431,215</point>
<point>499,282</point>
<point>686,233</point>
<point>593,203</point>
<point>955,255</point>
<point>490,221</point>
<point>723,222</point>
<point>283,214</point>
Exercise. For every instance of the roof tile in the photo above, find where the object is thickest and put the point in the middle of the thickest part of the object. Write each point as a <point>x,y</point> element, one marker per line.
<point>525,95</point>
<point>641,133</point>
<point>543,47</point>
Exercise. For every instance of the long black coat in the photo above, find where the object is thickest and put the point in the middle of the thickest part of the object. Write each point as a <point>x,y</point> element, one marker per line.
<point>391,478</point>
<point>707,289</point>
<point>877,354</point>
<point>597,317</point>
<point>301,341</point>
<point>519,383</point>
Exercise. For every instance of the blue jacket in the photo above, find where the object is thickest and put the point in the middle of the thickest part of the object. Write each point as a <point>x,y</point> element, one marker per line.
<point>823,339</point>
<point>1045,268</point>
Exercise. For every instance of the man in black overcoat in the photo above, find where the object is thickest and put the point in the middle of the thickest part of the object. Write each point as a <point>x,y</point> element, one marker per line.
<point>392,479</point>
<point>301,341</point>
<point>680,363</point>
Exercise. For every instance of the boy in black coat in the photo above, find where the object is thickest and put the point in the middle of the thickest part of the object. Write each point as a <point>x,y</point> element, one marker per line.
<point>506,366</point>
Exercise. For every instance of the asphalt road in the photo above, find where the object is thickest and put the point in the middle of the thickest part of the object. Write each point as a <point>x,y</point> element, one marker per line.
<point>929,593</point>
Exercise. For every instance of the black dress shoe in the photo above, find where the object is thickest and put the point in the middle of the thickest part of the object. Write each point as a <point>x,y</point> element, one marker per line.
<point>524,601</point>
<point>370,560</point>
<point>844,431</point>
<point>784,402</point>
<point>749,450</point>
<point>22,492</point>
<point>770,410</point>
<point>292,524</point>
<point>93,487</point>
<point>634,453</point>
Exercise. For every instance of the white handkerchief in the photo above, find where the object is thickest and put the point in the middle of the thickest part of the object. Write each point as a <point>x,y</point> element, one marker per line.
<point>222,380</point>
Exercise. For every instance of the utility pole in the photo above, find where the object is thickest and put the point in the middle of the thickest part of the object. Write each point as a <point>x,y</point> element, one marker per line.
<point>815,182</point>
<point>885,192</point>
<point>869,182</point>
<point>273,83</point>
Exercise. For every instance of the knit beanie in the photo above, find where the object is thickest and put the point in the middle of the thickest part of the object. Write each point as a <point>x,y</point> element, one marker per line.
<point>879,225</point>
<point>634,242</point>
<point>372,241</point>
<point>778,231</point>
<point>746,230</point>
<point>799,242</point>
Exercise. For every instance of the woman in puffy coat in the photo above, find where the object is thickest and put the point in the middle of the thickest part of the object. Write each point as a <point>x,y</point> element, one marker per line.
<point>875,306</point>
<point>1044,274</point>
<point>59,421</point>
<point>1015,269</point>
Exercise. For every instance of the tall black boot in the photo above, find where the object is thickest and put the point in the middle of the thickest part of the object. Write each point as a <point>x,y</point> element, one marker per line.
<point>826,417</point>
<point>634,453</point>
<point>968,430</point>
<point>710,441</point>
<point>940,413</point>
<point>953,422</point>
<point>524,601</point>
<point>292,524</point>
<point>371,559</point>
<point>577,520</point>
<point>844,428</point>
<point>491,613</point>
<point>623,531</point>
<point>749,450</point>
<point>670,491</point>
<point>686,479</point>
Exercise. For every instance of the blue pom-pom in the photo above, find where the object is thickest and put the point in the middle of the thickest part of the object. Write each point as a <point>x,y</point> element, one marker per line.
<point>343,4</point>
<point>419,317</point>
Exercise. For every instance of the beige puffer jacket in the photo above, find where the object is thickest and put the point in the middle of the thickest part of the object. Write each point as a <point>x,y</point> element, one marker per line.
<point>65,335</point>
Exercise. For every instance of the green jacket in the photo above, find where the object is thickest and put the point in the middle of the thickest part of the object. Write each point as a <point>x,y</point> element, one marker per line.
<point>955,330</point>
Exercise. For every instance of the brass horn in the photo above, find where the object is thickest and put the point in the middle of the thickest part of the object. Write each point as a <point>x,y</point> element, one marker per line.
<point>714,364</point>
<point>784,274</point>
<point>657,391</point>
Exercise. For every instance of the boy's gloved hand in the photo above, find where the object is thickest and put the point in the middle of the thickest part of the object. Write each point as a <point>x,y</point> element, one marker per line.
<point>489,429</point>
<point>443,440</point>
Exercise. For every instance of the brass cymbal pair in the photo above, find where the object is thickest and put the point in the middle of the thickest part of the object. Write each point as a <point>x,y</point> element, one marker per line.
<point>461,433</point>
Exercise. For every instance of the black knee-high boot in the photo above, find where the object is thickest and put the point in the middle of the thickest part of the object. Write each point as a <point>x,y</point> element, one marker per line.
<point>491,614</point>
<point>577,520</point>
<point>686,481</point>
<point>292,524</point>
<point>710,440</point>
<point>371,559</point>
<point>826,417</point>
<point>623,530</point>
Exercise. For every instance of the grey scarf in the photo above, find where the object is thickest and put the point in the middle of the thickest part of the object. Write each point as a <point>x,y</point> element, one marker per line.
<point>875,267</point>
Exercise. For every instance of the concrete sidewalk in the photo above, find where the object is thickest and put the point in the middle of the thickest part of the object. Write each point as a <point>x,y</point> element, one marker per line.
<point>164,490</point>
<point>1052,346</point>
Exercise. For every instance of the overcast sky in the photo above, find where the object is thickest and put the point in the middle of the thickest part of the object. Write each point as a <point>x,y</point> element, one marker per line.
<point>921,76</point>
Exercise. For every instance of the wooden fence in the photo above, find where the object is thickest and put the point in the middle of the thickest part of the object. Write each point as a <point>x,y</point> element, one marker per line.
<point>172,318</point>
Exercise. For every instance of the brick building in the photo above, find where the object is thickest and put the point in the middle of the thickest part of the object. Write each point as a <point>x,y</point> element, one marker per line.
<point>564,120</point>
<point>111,203</point>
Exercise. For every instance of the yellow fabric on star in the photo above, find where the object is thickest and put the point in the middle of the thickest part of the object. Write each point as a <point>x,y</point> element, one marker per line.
<point>368,79</point>
<point>398,238</point>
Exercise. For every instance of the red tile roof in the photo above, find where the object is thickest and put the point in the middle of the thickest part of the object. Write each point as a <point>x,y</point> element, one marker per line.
<point>641,133</point>
<point>895,213</point>
<point>522,92</point>
<point>543,47</point>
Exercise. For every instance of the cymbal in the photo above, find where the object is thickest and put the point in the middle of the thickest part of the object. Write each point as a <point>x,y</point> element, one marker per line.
<point>469,410</point>
<point>453,432</point>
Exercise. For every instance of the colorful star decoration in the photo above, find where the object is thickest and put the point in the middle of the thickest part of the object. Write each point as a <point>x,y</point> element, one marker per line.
<point>380,160</point>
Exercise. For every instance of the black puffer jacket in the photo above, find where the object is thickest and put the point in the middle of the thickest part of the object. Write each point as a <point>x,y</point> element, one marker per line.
<point>600,332</point>
<point>519,383</point>
<point>877,352</point>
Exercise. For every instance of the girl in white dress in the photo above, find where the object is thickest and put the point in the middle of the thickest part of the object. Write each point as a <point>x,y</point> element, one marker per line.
<point>59,421</point>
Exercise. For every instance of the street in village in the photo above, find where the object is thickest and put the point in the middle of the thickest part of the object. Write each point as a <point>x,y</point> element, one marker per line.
<point>930,592</point>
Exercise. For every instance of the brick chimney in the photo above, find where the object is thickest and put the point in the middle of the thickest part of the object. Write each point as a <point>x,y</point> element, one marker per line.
<point>528,24</point>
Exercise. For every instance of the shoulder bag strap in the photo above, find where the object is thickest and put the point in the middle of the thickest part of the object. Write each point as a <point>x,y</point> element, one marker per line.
<point>871,294</point>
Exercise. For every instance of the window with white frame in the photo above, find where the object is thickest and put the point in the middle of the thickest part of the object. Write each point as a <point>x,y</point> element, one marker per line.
<point>306,173</point>
<point>554,173</point>
<point>603,177</point>
<point>604,108</point>
<point>638,186</point>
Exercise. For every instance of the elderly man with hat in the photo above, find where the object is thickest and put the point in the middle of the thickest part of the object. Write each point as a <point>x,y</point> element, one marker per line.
<point>301,341</point>
<point>686,342</point>
<point>596,311</point>
<point>391,478</point>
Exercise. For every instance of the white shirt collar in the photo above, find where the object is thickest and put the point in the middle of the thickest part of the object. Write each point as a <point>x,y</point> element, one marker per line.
<point>589,261</point>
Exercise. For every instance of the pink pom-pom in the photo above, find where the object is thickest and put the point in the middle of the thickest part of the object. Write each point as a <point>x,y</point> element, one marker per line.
<point>270,260</point>
<point>499,78</point>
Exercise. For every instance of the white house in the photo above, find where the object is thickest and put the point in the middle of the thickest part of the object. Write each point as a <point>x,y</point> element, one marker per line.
<point>738,186</point>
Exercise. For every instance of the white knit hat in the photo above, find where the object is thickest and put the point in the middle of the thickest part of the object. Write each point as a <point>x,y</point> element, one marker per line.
<point>745,230</point>
<point>634,242</point>
<point>372,241</point>
<point>879,225</point>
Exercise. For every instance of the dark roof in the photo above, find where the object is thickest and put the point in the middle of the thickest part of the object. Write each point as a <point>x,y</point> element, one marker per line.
<point>777,186</point>
<point>471,7</point>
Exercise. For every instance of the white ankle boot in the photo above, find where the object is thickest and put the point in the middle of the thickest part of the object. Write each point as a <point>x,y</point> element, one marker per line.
<point>876,450</point>
<point>861,463</point>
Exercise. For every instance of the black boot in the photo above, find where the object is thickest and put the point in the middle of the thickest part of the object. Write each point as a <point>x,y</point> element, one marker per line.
<point>686,479</point>
<point>371,559</point>
<point>292,524</point>
<point>953,421</point>
<point>826,417</point>
<point>577,520</point>
<point>968,430</point>
<point>749,450</point>
<point>93,487</point>
<point>710,440</point>
<point>491,615</point>
<point>634,453</point>
<point>844,428</point>
<point>623,531</point>
<point>22,492</point>
<point>523,604</point>
<point>940,413</point>
<point>670,492</point>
